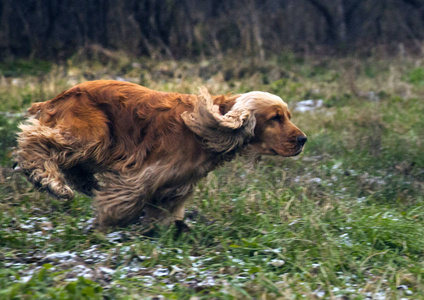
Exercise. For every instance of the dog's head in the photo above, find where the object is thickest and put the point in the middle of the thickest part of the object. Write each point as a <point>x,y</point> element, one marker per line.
<point>274,132</point>
<point>257,119</point>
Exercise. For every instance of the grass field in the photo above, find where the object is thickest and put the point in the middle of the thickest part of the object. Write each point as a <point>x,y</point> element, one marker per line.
<point>344,220</point>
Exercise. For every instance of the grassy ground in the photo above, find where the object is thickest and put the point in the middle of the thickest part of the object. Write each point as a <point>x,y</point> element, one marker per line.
<point>345,220</point>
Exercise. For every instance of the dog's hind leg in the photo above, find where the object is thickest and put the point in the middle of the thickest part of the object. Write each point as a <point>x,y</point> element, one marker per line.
<point>118,201</point>
<point>40,150</point>
<point>124,197</point>
<point>81,179</point>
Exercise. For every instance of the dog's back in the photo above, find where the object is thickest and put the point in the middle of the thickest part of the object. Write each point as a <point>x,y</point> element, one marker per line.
<point>68,137</point>
<point>92,127</point>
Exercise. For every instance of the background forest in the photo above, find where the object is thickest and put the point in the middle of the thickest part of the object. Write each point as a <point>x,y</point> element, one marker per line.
<point>344,220</point>
<point>189,28</point>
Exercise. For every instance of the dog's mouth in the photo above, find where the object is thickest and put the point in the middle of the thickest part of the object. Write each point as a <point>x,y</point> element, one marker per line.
<point>290,150</point>
<point>298,151</point>
<point>295,153</point>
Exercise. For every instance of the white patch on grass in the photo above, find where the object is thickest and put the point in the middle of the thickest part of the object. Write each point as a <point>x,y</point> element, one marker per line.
<point>315,180</point>
<point>25,279</point>
<point>293,222</point>
<point>108,271</point>
<point>161,272</point>
<point>308,105</point>
<point>115,237</point>
<point>208,281</point>
<point>60,257</point>
<point>277,262</point>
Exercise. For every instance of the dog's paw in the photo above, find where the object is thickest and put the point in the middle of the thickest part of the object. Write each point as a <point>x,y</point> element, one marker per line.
<point>60,190</point>
<point>181,228</point>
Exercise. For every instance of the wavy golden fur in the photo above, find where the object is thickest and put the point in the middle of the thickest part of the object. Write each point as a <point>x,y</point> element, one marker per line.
<point>139,151</point>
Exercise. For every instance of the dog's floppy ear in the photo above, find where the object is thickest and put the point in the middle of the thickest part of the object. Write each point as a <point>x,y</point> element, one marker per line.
<point>220,133</point>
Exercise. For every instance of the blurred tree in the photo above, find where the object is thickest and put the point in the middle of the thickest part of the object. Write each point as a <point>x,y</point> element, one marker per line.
<point>56,29</point>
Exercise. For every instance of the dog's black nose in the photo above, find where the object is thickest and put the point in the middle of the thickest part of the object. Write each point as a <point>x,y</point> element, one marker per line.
<point>301,139</point>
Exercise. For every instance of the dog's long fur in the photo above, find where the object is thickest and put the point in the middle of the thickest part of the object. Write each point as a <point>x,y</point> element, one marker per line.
<point>142,151</point>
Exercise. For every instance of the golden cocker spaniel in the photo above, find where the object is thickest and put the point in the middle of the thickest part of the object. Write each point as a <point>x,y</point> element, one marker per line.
<point>139,151</point>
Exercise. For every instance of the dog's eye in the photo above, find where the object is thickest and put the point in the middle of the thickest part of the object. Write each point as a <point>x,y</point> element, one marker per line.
<point>277,118</point>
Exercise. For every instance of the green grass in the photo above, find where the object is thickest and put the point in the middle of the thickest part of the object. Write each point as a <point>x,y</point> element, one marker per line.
<point>344,220</point>
<point>20,67</point>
